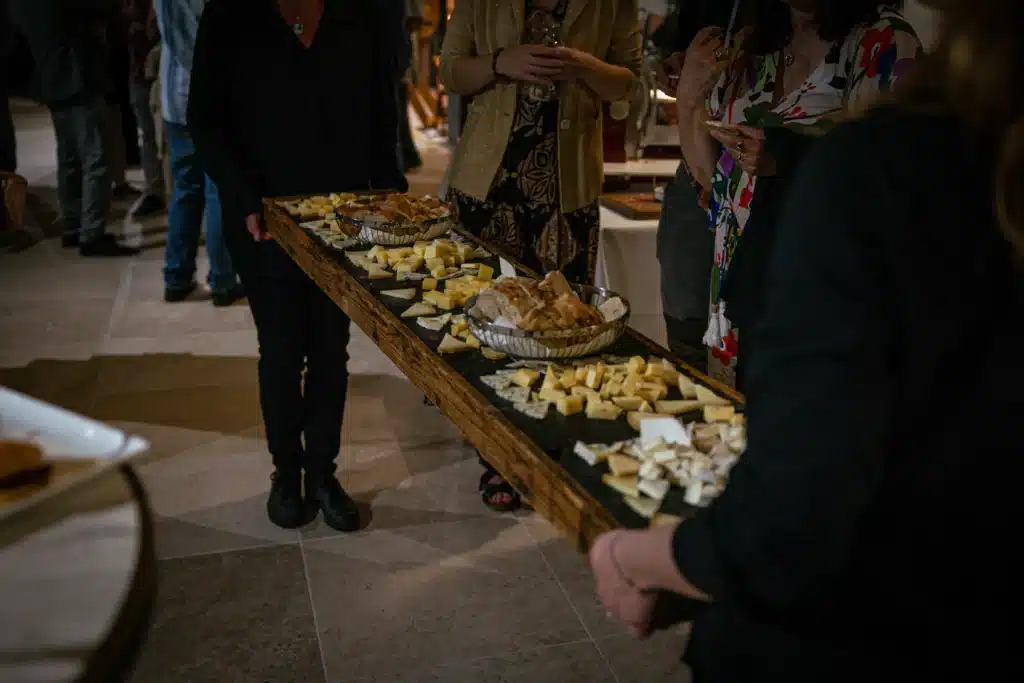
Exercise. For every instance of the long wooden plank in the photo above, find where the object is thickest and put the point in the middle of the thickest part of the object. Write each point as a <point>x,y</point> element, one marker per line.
<point>549,489</point>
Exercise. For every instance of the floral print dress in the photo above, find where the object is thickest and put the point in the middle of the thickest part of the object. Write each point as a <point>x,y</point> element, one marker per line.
<point>522,213</point>
<point>870,61</point>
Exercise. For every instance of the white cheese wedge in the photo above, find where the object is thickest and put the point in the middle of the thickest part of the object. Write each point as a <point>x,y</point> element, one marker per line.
<point>592,455</point>
<point>687,387</point>
<point>496,382</point>
<point>435,324</point>
<point>536,410</point>
<point>645,507</point>
<point>452,345</point>
<point>514,394</point>
<point>417,310</point>
<point>694,491</point>
<point>654,488</point>
<point>651,470</point>
<point>405,294</point>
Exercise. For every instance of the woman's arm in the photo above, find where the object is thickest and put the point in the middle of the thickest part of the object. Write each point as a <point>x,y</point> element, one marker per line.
<point>700,151</point>
<point>611,79</point>
<point>462,70</point>
<point>208,114</point>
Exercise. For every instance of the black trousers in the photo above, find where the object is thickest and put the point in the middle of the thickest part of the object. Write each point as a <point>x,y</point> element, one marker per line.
<point>303,365</point>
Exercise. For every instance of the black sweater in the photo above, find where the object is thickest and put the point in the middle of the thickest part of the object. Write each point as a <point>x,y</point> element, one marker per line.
<point>272,118</point>
<point>867,531</point>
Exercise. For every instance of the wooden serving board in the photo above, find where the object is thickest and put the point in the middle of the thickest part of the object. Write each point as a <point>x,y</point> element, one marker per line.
<point>527,453</point>
<point>636,206</point>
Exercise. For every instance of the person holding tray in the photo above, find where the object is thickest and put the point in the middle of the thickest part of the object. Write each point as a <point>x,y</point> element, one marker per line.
<point>804,65</point>
<point>527,171</point>
<point>270,117</point>
<point>863,534</point>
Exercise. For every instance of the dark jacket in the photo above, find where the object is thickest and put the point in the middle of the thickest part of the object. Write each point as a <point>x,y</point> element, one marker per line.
<point>65,37</point>
<point>271,118</point>
<point>866,533</point>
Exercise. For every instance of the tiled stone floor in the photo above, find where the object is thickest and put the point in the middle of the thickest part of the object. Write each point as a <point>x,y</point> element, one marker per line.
<point>435,589</point>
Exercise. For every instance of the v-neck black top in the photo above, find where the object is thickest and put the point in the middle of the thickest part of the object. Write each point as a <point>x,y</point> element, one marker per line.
<point>271,117</point>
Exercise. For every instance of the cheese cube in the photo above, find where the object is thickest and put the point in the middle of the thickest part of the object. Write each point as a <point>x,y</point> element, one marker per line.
<point>485,273</point>
<point>524,377</point>
<point>570,405</point>
<point>553,395</point>
<point>429,284</point>
<point>595,375</point>
<point>439,299</point>
<point>600,410</point>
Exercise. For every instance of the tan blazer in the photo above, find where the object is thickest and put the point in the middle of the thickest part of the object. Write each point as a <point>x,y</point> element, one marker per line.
<point>608,29</point>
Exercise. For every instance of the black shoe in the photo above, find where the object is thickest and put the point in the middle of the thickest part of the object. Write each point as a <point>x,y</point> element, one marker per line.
<point>70,240</point>
<point>229,296</point>
<point>124,191</point>
<point>340,511</point>
<point>150,205</point>
<point>175,295</point>
<point>106,246</point>
<point>285,506</point>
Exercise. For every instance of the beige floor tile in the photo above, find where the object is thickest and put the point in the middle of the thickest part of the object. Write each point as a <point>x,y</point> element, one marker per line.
<point>210,496</point>
<point>383,407</point>
<point>161,320</point>
<point>655,660</point>
<point>443,593</point>
<point>72,281</point>
<point>57,323</point>
<point>240,343</point>
<point>572,663</point>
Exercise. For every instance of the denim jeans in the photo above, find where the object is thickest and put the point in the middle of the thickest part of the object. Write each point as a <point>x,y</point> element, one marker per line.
<point>83,169</point>
<point>151,169</point>
<point>194,195</point>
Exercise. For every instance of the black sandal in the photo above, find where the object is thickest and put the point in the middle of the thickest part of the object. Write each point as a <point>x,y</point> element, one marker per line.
<point>497,494</point>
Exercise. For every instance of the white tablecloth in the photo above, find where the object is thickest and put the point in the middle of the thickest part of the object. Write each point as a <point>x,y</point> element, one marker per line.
<point>627,263</point>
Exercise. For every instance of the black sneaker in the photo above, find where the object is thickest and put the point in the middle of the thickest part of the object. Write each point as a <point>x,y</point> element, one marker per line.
<point>229,296</point>
<point>150,205</point>
<point>124,191</point>
<point>70,240</point>
<point>285,506</point>
<point>340,511</point>
<point>105,246</point>
<point>175,295</point>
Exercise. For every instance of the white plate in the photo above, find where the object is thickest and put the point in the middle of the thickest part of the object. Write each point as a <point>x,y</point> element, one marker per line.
<point>63,434</point>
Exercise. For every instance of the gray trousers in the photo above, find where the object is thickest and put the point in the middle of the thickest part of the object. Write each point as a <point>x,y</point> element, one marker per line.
<point>152,169</point>
<point>83,169</point>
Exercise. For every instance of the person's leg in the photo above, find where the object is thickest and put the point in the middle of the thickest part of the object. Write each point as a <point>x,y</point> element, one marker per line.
<point>276,290</point>
<point>69,174</point>
<point>114,140</point>
<point>153,201</point>
<point>222,279</point>
<point>185,216</point>
<point>8,139</point>
<point>324,405</point>
<point>410,156</point>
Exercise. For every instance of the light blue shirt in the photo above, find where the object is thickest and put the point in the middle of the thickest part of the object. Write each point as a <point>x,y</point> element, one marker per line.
<point>179,22</point>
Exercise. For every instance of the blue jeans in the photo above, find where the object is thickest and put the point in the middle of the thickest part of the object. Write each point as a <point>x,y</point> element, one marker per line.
<point>194,195</point>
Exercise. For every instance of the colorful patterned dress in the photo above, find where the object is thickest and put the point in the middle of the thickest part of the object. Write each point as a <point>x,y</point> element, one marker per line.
<point>870,61</point>
<point>522,213</point>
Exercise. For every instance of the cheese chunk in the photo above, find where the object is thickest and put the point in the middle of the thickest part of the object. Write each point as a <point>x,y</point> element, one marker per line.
<point>492,354</point>
<point>570,405</point>
<point>524,377</point>
<point>665,519</point>
<point>621,465</point>
<point>553,395</point>
<point>404,294</point>
<point>429,284</point>
<point>718,413</point>
<point>416,310</point>
<point>627,486</point>
<point>451,345</point>
<point>594,376</point>
<point>485,273</point>
<point>600,410</point>
<point>378,273</point>
<point>710,398</point>
<point>654,488</point>
<point>645,507</point>
<point>439,299</point>
<point>677,407</point>
<point>631,403</point>
<point>472,341</point>
<point>636,419</point>
<point>686,387</point>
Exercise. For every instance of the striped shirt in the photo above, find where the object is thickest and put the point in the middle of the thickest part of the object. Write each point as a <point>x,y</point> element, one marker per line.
<point>179,22</point>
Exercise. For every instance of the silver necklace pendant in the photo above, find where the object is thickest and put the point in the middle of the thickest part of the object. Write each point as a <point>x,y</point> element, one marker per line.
<point>297,27</point>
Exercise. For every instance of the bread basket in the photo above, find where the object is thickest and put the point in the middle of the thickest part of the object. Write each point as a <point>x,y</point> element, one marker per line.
<point>551,344</point>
